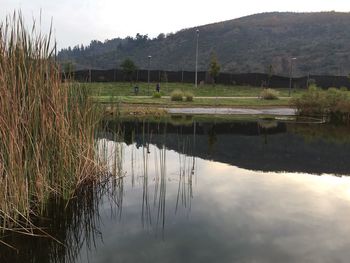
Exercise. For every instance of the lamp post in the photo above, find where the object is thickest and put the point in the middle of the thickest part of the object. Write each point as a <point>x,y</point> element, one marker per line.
<point>291,75</point>
<point>149,66</point>
<point>196,77</point>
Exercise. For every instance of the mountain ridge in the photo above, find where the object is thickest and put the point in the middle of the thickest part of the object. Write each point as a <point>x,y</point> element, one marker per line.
<point>251,43</point>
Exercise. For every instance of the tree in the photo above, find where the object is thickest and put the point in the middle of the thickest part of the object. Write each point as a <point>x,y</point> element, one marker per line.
<point>68,69</point>
<point>269,75</point>
<point>214,68</point>
<point>141,39</point>
<point>161,36</point>
<point>128,67</point>
<point>164,78</point>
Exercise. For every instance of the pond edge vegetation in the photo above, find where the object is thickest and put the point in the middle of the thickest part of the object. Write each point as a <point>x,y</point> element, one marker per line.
<point>47,128</point>
<point>333,104</point>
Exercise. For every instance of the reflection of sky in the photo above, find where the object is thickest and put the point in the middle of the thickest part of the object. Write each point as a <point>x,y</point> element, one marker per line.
<point>234,215</point>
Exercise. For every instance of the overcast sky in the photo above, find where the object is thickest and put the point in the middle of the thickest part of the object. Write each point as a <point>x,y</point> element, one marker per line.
<point>80,21</point>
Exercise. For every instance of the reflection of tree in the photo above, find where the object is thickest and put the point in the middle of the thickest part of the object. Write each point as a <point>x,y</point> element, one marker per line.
<point>266,124</point>
<point>212,138</point>
<point>328,132</point>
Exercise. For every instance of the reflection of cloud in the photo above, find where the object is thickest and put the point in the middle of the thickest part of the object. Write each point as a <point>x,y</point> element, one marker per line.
<point>236,215</point>
<point>317,183</point>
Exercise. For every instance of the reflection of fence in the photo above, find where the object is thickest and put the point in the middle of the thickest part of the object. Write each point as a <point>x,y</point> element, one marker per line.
<point>248,79</point>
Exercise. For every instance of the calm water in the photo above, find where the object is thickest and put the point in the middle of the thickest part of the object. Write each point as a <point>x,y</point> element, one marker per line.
<point>241,191</point>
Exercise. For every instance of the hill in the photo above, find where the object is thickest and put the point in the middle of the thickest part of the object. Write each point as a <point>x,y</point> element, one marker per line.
<point>319,41</point>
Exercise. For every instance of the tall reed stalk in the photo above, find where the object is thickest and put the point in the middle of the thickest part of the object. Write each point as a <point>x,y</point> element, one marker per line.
<point>46,127</point>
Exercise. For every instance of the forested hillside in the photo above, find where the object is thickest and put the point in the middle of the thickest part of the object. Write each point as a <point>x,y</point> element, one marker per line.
<point>258,43</point>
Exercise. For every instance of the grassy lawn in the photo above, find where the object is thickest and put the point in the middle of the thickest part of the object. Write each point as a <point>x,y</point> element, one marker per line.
<point>126,89</point>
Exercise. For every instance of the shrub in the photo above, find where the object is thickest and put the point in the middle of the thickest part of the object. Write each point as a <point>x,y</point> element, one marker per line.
<point>332,97</point>
<point>311,102</point>
<point>269,94</point>
<point>311,82</point>
<point>333,102</point>
<point>157,95</point>
<point>188,96</point>
<point>176,95</point>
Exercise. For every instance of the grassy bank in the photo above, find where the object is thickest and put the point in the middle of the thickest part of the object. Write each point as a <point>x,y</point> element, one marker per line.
<point>46,128</point>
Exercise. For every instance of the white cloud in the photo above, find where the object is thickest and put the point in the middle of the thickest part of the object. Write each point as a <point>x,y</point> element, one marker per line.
<point>78,21</point>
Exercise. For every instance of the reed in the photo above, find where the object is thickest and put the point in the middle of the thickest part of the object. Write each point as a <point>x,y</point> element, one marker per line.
<point>46,127</point>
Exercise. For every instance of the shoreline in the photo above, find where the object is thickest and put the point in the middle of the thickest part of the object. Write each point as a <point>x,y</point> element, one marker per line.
<point>280,111</point>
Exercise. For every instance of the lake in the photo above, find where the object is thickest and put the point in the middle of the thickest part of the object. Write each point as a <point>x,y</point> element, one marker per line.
<point>205,190</point>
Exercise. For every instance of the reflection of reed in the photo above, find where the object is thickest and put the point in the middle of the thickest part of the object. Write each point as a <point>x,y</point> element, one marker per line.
<point>117,181</point>
<point>162,189</point>
<point>112,154</point>
<point>146,210</point>
<point>133,156</point>
<point>186,173</point>
<point>73,226</point>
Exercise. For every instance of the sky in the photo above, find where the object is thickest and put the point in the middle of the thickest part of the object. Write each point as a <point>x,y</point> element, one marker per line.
<point>80,21</point>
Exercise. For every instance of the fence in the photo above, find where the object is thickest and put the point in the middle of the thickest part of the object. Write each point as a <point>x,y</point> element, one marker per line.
<point>244,79</point>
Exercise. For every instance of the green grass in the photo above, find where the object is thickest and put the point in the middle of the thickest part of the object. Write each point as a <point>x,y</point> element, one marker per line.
<point>126,89</point>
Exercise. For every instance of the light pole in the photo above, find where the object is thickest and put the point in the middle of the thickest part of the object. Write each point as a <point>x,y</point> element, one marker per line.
<point>149,66</point>
<point>196,77</point>
<point>291,74</point>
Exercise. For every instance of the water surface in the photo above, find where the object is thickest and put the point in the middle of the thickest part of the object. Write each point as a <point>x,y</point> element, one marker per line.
<point>241,191</point>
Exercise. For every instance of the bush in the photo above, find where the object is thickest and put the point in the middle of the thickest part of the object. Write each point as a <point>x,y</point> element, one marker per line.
<point>311,82</point>
<point>188,96</point>
<point>332,97</point>
<point>176,95</point>
<point>311,102</point>
<point>269,94</point>
<point>333,102</point>
<point>157,95</point>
